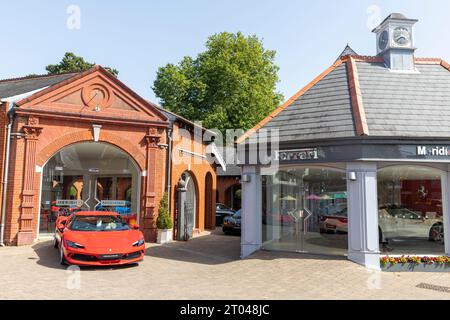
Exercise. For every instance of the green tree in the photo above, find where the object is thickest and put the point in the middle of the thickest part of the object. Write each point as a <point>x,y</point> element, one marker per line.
<point>231,85</point>
<point>73,63</point>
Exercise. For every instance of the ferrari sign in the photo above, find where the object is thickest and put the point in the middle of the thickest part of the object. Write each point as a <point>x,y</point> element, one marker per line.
<point>297,154</point>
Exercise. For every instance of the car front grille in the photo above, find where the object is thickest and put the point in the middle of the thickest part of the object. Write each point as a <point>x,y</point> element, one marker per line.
<point>84,257</point>
<point>132,255</point>
<point>106,257</point>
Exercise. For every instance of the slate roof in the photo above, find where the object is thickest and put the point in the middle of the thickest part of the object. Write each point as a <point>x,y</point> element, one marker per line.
<point>232,170</point>
<point>14,87</point>
<point>323,111</point>
<point>406,104</point>
<point>359,96</point>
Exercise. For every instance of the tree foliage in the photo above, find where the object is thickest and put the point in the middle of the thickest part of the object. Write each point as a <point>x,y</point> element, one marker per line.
<point>73,63</point>
<point>231,85</point>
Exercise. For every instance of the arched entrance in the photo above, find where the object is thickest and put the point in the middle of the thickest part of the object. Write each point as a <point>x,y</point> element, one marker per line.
<point>233,196</point>
<point>186,207</point>
<point>88,176</point>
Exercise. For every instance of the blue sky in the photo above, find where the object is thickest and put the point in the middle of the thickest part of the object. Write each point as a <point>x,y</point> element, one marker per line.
<point>137,37</point>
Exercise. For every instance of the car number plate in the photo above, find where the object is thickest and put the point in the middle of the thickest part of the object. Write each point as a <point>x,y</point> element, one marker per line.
<point>110,256</point>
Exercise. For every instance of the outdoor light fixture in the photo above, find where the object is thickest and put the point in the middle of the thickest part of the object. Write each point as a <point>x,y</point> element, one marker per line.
<point>245,178</point>
<point>163,145</point>
<point>351,176</point>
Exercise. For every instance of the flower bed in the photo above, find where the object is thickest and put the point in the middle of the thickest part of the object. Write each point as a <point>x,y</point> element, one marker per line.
<point>415,263</point>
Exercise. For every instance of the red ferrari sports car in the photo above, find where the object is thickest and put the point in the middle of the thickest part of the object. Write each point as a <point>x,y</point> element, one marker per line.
<point>94,238</point>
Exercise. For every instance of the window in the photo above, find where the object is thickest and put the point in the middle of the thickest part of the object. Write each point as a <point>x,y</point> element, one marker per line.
<point>410,210</point>
<point>305,210</point>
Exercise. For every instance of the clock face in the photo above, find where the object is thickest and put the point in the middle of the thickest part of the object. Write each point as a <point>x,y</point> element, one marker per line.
<point>401,36</point>
<point>383,40</point>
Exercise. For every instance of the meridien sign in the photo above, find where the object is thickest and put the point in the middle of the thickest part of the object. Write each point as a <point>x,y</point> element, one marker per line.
<point>432,151</point>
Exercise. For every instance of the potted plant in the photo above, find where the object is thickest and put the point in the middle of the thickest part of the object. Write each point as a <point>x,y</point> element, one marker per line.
<point>164,222</point>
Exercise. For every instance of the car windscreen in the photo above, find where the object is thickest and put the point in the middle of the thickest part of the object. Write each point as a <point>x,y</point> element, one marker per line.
<point>98,223</point>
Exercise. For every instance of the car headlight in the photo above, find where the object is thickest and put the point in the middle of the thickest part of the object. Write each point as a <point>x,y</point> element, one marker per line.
<point>75,245</point>
<point>138,243</point>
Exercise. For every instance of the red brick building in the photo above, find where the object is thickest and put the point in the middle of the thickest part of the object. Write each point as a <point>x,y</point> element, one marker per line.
<point>86,141</point>
<point>229,186</point>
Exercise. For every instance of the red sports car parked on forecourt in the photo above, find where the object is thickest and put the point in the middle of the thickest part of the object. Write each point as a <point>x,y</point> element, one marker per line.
<point>97,238</point>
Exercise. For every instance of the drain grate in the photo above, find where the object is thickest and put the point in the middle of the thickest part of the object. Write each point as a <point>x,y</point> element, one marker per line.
<point>434,287</point>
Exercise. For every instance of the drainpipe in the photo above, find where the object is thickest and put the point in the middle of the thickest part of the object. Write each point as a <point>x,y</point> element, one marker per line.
<point>169,165</point>
<point>10,113</point>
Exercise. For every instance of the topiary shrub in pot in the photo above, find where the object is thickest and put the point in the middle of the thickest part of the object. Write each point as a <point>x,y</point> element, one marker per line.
<point>164,222</point>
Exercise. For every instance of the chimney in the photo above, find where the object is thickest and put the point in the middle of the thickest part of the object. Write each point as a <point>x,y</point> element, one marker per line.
<point>395,42</point>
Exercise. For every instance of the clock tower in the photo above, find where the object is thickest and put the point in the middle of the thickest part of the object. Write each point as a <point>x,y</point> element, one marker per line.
<point>395,42</point>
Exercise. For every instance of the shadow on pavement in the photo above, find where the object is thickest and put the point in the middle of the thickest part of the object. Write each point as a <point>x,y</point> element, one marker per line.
<point>48,257</point>
<point>212,249</point>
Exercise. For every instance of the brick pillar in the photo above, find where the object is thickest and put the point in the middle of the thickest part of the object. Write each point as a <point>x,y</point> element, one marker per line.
<point>27,209</point>
<point>150,214</point>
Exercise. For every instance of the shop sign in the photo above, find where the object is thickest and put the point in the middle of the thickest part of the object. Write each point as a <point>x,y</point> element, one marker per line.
<point>297,154</point>
<point>69,203</point>
<point>113,203</point>
<point>432,151</point>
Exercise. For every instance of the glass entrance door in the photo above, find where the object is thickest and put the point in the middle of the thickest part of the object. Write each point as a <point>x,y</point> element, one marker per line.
<point>305,210</point>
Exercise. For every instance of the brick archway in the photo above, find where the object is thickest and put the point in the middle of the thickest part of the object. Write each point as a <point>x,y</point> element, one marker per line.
<point>223,187</point>
<point>85,136</point>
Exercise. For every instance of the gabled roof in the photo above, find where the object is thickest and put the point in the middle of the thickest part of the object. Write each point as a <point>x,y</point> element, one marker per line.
<point>348,51</point>
<point>76,76</point>
<point>26,90</point>
<point>359,96</point>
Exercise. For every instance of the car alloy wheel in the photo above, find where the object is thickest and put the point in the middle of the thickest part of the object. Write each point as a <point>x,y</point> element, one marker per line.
<point>437,233</point>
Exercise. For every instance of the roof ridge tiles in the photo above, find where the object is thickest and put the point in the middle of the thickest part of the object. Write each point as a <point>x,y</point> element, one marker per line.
<point>428,60</point>
<point>358,57</point>
<point>359,115</point>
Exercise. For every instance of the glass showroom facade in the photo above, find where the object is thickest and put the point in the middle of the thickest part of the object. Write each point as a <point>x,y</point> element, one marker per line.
<point>361,209</point>
<point>304,209</point>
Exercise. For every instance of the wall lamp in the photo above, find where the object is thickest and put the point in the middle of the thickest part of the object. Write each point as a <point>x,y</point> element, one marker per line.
<point>351,176</point>
<point>163,145</point>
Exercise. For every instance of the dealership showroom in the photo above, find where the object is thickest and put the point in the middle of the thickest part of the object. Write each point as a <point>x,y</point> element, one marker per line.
<point>359,164</point>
